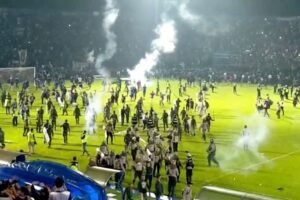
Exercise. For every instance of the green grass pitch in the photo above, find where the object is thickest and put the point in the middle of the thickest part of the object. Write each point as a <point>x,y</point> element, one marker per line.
<point>273,172</point>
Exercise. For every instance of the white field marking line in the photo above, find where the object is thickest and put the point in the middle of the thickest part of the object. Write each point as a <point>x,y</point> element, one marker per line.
<point>254,165</point>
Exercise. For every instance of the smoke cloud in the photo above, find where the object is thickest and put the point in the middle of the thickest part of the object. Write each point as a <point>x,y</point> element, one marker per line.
<point>92,111</point>
<point>204,25</point>
<point>235,155</point>
<point>165,43</point>
<point>111,14</point>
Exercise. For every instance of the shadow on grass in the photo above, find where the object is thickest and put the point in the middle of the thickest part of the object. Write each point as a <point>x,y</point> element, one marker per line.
<point>65,149</point>
<point>45,157</point>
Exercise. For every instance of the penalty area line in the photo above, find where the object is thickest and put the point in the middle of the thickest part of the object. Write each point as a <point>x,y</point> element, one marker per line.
<point>254,165</point>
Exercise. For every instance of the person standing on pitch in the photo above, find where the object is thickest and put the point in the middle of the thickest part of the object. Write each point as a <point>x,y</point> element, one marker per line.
<point>2,138</point>
<point>193,126</point>
<point>31,141</point>
<point>123,113</point>
<point>159,189</point>
<point>211,150</point>
<point>84,141</point>
<point>278,111</point>
<point>65,131</point>
<point>127,113</point>
<point>77,114</point>
<point>245,136</point>
<point>189,166</point>
<point>114,119</point>
<point>172,173</point>
<point>234,89</point>
<point>282,107</point>
<point>165,117</point>
<point>109,132</point>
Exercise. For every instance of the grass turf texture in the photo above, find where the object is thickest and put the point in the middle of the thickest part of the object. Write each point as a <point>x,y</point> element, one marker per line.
<point>278,177</point>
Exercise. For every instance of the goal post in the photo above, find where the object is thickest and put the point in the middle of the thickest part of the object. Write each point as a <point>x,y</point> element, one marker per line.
<point>20,73</point>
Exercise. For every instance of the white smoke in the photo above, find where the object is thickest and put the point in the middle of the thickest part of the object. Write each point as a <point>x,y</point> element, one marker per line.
<point>91,57</point>
<point>205,25</point>
<point>111,14</point>
<point>235,155</point>
<point>165,43</point>
<point>91,112</point>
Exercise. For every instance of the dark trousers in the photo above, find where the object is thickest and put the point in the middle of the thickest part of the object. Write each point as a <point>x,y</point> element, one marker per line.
<point>77,120</point>
<point>50,141</point>
<point>165,125</point>
<point>211,157</point>
<point>65,135</point>
<point>15,121</point>
<point>133,154</point>
<point>149,180</point>
<point>109,134</point>
<point>53,123</point>
<point>137,174</point>
<point>189,174</point>
<point>156,168</point>
<point>175,146</point>
<point>84,150</point>
<point>114,125</point>
<point>122,120</point>
<point>25,131</point>
<point>171,186</point>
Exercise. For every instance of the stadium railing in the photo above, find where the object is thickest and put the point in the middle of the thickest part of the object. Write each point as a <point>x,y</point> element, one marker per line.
<point>100,174</point>
<point>218,193</point>
<point>6,157</point>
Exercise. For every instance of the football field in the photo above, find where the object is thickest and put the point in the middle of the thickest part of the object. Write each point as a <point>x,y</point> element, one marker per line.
<point>270,167</point>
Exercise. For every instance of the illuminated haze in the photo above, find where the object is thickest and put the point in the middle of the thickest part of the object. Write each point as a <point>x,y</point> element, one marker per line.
<point>213,26</point>
<point>165,43</point>
<point>111,14</point>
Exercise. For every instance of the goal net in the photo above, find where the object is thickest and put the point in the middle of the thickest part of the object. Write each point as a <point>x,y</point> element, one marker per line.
<point>20,73</point>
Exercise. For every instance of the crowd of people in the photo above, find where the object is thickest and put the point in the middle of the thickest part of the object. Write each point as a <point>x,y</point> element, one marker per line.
<point>252,49</point>
<point>14,190</point>
<point>147,157</point>
<point>255,50</point>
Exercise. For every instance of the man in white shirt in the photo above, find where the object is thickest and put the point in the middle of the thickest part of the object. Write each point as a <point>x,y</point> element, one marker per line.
<point>245,135</point>
<point>60,191</point>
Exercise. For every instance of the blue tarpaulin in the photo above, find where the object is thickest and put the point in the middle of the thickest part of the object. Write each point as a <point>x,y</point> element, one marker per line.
<point>80,186</point>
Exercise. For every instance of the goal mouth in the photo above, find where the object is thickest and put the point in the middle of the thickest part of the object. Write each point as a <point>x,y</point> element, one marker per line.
<point>20,74</point>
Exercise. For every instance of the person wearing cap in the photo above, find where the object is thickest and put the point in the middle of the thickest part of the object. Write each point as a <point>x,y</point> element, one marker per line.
<point>211,150</point>
<point>189,166</point>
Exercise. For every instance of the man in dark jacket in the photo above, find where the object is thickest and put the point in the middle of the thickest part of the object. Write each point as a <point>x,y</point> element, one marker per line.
<point>159,189</point>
